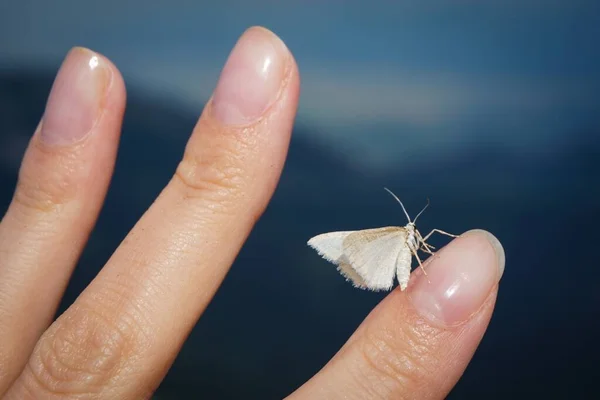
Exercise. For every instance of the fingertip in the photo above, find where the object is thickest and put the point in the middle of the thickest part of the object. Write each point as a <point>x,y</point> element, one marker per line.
<point>255,77</point>
<point>459,279</point>
<point>116,92</point>
<point>496,245</point>
<point>86,86</point>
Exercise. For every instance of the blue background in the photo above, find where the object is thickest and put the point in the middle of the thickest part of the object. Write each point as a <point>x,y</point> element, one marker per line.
<point>490,110</point>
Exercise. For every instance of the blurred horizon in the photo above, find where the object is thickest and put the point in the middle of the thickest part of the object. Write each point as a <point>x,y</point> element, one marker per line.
<point>442,69</point>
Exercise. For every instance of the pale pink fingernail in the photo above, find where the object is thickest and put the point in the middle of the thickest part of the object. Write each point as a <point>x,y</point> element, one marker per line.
<point>76,97</point>
<point>461,277</point>
<point>251,79</point>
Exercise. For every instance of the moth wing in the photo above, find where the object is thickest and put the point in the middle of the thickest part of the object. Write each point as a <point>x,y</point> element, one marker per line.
<point>373,254</point>
<point>330,247</point>
<point>351,275</point>
<point>403,267</point>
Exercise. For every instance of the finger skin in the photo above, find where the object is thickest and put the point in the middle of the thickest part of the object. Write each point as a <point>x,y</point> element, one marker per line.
<point>400,353</point>
<point>122,334</point>
<point>59,194</point>
<point>396,355</point>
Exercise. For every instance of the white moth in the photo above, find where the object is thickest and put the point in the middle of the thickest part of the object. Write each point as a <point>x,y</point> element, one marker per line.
<point>370,258</point>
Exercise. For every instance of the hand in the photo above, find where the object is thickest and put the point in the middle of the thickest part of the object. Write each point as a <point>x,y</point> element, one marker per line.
<point>121,335</point>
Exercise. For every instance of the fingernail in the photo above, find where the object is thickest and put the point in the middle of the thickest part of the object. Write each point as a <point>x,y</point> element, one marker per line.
<point>76,97</point>
<point>251,79</point>
<point>461,277</point>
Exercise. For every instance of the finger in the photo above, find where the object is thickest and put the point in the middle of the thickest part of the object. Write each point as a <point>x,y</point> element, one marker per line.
<point>124,331</point>
<point>417,345</point>
<point>62,184</point>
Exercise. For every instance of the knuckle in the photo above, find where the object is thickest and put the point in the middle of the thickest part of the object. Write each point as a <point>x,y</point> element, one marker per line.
<point>81,353</point>
<point>215,175</point>
<point>47,181</point>
<point>397,361</point>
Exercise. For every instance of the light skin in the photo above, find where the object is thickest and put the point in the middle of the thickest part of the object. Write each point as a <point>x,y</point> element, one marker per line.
<point>121,335</point>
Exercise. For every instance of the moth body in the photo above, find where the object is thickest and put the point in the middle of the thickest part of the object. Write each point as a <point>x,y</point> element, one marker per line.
<point>372,258</point>
<point>411,239</point>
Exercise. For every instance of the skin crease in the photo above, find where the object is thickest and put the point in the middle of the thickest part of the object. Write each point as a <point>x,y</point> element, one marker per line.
<point>120,337</point>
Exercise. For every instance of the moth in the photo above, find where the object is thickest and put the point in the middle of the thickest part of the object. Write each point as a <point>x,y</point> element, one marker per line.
<point>371,258</point>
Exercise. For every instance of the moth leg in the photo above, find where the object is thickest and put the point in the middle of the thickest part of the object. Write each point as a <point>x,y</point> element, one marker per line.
<point>426,250</point>
<point>426,247</point>
<point>435,255</point>
<point>423,244</point>
<point>429,246</point>
<point>438,231</point>
<point>421,265</point>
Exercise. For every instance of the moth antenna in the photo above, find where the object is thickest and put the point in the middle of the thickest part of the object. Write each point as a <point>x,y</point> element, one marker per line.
<point>421,212</point>
<point>402,205</point>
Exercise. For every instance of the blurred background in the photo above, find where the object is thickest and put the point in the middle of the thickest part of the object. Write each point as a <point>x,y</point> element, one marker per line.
<point>490,109</point>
